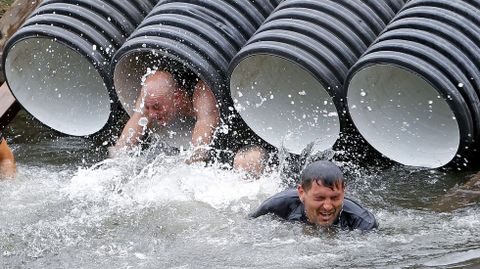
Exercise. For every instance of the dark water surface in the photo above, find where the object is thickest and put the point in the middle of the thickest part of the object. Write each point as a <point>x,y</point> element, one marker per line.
<point>70,208</point>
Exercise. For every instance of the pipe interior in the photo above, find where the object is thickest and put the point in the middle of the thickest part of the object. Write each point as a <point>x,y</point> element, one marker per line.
<point>403,116</point>
<point>127,77</point>
<point>58,86</point>
<point>283,103</point>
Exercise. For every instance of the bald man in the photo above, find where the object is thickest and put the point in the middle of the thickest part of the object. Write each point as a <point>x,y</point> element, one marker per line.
<point>252,159</point>
<point>163,100</point>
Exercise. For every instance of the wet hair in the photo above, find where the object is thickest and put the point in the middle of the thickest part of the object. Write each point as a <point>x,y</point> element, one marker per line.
<point>325,173</point>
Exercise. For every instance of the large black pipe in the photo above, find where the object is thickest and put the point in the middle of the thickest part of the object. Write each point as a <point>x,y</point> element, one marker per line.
<point>201,35</point>
<point>414,95</point>
<point>287,81</point>
<point>57,63</point>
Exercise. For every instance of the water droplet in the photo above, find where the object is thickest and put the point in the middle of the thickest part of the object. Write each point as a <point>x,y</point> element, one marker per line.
<point>143,121</point>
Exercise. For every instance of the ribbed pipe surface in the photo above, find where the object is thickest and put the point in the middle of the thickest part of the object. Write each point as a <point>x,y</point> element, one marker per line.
<point>414,95</point>
<point>57,63</point>
<point>201,35</point>
<point>287,81</point>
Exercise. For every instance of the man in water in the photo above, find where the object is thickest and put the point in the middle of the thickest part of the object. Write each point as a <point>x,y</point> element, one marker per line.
<point>8,167</point>
<point>164,100</point>
<point>319,200</point>
<point>251,159</point>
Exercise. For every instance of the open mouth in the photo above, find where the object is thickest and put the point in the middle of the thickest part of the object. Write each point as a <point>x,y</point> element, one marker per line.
<point>326,216</point>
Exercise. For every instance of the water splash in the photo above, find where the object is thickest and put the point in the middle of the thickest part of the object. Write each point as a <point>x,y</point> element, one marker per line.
<point>129,181</point>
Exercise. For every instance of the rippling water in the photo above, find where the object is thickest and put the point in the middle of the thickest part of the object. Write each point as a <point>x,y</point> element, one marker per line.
<point>70,208</point>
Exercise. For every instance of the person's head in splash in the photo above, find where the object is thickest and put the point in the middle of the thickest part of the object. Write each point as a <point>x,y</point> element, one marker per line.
<point>163,98</point>
<point>169,96</point>
<point>322,191</point>
<point>252,159</point>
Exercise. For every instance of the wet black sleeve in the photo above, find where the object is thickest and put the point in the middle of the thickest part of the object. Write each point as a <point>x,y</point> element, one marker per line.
<point>366,222</point>
<point>358,217</point>
<point>280,204</point>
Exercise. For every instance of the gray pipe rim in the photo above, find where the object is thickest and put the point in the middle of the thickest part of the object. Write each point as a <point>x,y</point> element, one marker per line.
<point>296,141</point>
<point>127,97</point>
<point>464,139</point>
<point>75,122</point>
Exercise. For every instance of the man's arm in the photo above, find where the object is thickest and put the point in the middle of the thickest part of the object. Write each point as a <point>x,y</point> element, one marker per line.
<point>207,115</point>
<point>8,167</point>
<point>132,131</point>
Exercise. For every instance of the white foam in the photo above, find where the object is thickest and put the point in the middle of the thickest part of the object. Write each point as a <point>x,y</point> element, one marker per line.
<point>128,180</point>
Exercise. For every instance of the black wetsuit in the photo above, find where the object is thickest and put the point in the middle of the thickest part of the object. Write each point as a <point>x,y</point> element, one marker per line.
<point>287,205</point>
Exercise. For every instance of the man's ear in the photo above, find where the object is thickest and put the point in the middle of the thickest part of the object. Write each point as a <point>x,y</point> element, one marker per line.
<point>301,192</point>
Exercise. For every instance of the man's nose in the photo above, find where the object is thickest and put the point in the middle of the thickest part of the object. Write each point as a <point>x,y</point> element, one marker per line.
<point>327,205</point>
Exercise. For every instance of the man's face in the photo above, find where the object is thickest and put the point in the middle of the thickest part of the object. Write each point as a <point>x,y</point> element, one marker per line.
<point>322,204</point>
<point>159,108</point>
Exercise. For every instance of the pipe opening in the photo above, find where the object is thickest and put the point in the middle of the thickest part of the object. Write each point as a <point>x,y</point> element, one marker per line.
<point>132,67</point>
<point>58,86</point>
<point>283,103</point>
<point>128,74</point>
<point>403,116</point>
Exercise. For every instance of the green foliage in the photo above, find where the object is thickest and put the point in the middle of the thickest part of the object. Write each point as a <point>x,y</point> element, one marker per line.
<point>4,5</point>
<point>6,2</point>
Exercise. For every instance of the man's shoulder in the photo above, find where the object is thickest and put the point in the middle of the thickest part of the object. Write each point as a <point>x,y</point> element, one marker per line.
<point>284,197</point>
<point>357,216</point>
<point>351,205</point>
<point>280,204</point>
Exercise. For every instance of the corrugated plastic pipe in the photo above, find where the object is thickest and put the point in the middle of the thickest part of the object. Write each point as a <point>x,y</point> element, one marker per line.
<point>202,35</point>
<point>287,81</point>
<point>57,63</point>
<point>414,95</point>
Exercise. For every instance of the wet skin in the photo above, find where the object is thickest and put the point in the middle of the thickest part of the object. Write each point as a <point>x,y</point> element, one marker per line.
<point>159,109</point>
<point>322,204</point>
